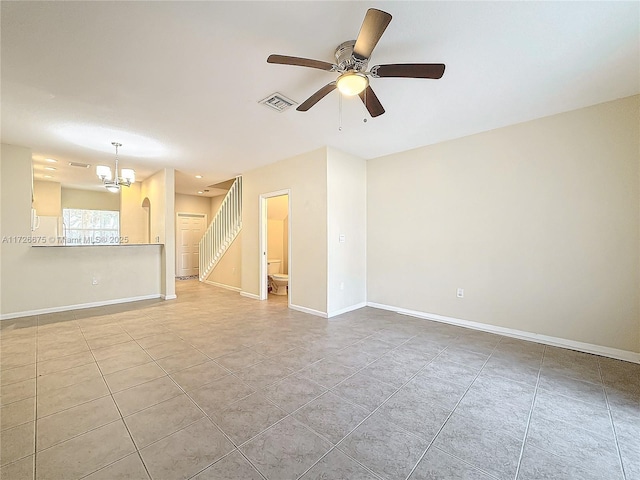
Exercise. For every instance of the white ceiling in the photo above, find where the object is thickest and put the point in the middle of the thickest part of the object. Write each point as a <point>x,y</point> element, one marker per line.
<point>177,83</point>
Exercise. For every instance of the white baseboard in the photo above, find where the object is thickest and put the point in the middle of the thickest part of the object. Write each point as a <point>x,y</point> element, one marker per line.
<point>78,306</point>
<point>168,297</point>
<point>222,285</point>
<point>310,311</point>
<point>521,334</point>
<point>250,295</point>
<point>347,309</point>
<point>298,308</point>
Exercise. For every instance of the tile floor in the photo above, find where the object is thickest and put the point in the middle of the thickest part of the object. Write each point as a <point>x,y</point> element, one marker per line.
<point>216,386</point>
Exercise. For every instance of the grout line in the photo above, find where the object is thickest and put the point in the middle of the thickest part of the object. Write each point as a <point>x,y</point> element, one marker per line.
<point>452,411</point>
<point>230,373</point>
<point>5,370</point>
<point>575,399</point>
<point>80,434</point>
<point>67,368</point>
<point>465,462</point>
<point>335,448</point>
<point>613,425</point>
<point>194,402</point>
<point>533,403</point>
<point>114,462</point>
<point>225,456</point>
<point>397,389</point>
<point>77,404</point>
<point>35,401</point>
<point>288,415</point>
<point>135,446</point>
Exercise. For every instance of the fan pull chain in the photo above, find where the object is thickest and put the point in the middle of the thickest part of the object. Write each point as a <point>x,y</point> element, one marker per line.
<point>339,112</point>
<point>364,120</point>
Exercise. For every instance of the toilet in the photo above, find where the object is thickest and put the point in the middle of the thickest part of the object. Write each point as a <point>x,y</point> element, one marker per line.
<point>278,281</point>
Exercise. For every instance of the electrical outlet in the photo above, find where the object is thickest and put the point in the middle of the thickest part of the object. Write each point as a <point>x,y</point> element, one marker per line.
<point>341,285</point>
<point>94,281</point>
<point>460,293</point>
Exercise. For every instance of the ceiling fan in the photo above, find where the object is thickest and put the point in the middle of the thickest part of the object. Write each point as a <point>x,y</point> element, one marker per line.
<point>352,61</point>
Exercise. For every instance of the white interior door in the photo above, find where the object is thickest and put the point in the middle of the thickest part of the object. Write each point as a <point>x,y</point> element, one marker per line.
<point>190,228</point>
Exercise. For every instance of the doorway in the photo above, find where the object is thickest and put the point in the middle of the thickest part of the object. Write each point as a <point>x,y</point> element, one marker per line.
<point>146,206</point>
<point>275,246</point>
<point>190,228</point>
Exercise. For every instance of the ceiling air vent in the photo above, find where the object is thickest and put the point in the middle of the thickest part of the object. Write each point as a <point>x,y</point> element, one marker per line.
<point>80,165</point>
<point>278,102</point>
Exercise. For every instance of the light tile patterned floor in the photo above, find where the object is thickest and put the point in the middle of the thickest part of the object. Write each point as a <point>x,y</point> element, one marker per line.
<point>216,386</point>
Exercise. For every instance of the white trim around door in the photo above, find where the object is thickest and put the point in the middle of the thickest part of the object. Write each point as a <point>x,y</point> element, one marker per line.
<point>263,242</point>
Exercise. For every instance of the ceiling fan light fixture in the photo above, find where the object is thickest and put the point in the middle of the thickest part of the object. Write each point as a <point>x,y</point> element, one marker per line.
<point>352,83</point>
<point>352,59</point>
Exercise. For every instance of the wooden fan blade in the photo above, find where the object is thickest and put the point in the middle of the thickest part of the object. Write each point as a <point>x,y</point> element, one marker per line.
<point>409,70</point>
<point>374,24</point>
<point>300,62</point>
<point>371,101</point>
<point>316,97</point>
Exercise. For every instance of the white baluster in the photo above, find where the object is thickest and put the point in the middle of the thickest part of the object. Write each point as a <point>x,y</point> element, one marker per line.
<point>222,230</point>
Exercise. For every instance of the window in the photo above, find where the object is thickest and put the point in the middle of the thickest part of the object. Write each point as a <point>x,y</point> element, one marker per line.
<point>91,227</point>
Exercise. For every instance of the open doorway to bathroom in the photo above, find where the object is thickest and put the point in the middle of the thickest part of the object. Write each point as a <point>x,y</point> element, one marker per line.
<point>275,247</point>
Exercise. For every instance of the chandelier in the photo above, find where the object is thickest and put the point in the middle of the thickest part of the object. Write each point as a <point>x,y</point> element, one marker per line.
<point>113,182</point>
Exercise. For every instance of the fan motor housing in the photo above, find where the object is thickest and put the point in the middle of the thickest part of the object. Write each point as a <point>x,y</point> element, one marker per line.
<point>346,60</point>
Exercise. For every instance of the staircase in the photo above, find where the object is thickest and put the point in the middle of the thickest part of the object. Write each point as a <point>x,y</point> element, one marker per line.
<point>222,231</point>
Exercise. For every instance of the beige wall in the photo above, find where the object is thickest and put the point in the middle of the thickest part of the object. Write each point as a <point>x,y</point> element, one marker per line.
<point>306,176</point>
<point>538,222</point>
<point>346,215</point>
<point>278,207</point>
<point>154,188</point>
<point>285,246</point>
<point>169,250</point>
<point>228,270</point>
<point>193,204</point>
<point>275,241</point>
<point>214,205</point>
<point>47,198</point>
<point>57,277</point>
<point>134,219</point>
<point>160,190</point>
<point>90,199</point>
<point>277,230</point>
